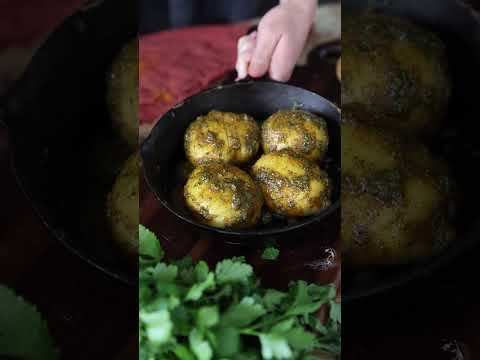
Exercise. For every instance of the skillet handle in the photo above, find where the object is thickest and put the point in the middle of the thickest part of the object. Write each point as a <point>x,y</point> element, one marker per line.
<point>232,75</point>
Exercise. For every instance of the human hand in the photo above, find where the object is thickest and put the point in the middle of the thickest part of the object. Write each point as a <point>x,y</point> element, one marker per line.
<point>278,42</point>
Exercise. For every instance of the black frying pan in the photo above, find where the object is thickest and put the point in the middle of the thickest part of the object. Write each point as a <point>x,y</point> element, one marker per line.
<point>163,155</point>
<point>459,27</point>
<point>65,153</point>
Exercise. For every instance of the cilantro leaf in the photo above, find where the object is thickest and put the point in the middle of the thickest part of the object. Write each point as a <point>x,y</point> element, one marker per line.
<point>196,291</point>
<point>158,326</point>
<point>183,353</point>
<point>24,333</point>
<point>200,347</point>
<point>270,253</point>
<point>300,339</point>
<point>149,246</point>
<point>165,273</point>
<point>243,314</point>
<point>230,271</point>
<point>201,271</point>
<point>275,346</point>
<point>229,342</point>
<point>335,312</point>
<point>303,303</point>
<point>273,298</point>
<point>207,316</point>
<point>284,325</point>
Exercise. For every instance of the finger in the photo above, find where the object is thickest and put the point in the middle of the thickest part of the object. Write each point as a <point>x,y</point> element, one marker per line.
<point>284,59</point>
<point>242,64</point>
<point>246,42</point>
<point>266,43</point>
<point>245,48</point>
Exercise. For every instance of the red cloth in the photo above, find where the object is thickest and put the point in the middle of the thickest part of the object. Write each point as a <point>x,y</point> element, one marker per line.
<point>176,64</point>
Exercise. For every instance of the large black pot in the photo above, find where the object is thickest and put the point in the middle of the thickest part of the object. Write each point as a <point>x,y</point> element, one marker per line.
<point>64,151</point>
<point>162,152</point>
<point>459,26</point>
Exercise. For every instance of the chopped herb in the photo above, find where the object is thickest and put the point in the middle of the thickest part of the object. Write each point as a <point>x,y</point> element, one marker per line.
<point>270,253</point>
<point>189,311</point>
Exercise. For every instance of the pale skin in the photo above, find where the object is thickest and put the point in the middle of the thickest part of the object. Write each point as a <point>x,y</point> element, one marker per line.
<point>278,42</point>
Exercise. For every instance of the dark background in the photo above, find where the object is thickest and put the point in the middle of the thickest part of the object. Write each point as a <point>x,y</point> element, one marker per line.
<point>158,15</point>
<point>92,316</point>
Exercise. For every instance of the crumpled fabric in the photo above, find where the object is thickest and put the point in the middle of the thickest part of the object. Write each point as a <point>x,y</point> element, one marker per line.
<point>179,63</point>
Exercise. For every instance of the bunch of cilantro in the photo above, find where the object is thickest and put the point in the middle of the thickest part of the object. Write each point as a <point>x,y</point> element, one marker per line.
<point>189,311</point>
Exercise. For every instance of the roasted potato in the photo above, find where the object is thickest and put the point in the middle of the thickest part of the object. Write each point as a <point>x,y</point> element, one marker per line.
<point>297,130</point>
<point>223,196</point>
<point>222,136</point>
<point>397,199</point>
<point>395,71</point>
<point>122,93</point>
<point>122,208</point>
<point>292,185</point>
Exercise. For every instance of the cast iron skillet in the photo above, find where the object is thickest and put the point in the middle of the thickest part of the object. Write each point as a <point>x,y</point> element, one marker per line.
<point>459,27</point>
<point>58,125</point>
<point>163,155</point>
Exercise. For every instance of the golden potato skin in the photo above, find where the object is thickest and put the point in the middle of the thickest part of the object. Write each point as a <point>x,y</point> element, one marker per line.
<point>222,136</point>
<point>223,196</point>
<point>292,185</point>
<point>396,199</point>
<point>122,93</point>
<point>122,208</point>
<point>396,71</point>
<point>298,131</point>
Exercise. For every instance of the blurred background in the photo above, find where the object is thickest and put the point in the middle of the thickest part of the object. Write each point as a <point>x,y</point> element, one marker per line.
<point>165,14</point>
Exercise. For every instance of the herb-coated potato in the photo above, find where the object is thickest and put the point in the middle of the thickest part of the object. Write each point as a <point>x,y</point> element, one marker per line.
<point>222,136</point>
<point>292,185</point>
<point>396,71</point>
<point>300,131</point>
<point>396,198</point>
<point>122,93</point>
<point>223,196</point>
<point>122,208</point>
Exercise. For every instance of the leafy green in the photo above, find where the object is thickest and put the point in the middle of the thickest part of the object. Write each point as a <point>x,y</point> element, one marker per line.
<point>189,311</point>
<point>231,271</point>
<point>243,313</point>
<point>23,332</point>
<point>275,346</point>
<point>270,253</point>
<point>150,249</point>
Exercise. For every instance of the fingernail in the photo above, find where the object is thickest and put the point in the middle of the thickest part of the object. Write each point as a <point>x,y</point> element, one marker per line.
<point>240,74</point>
